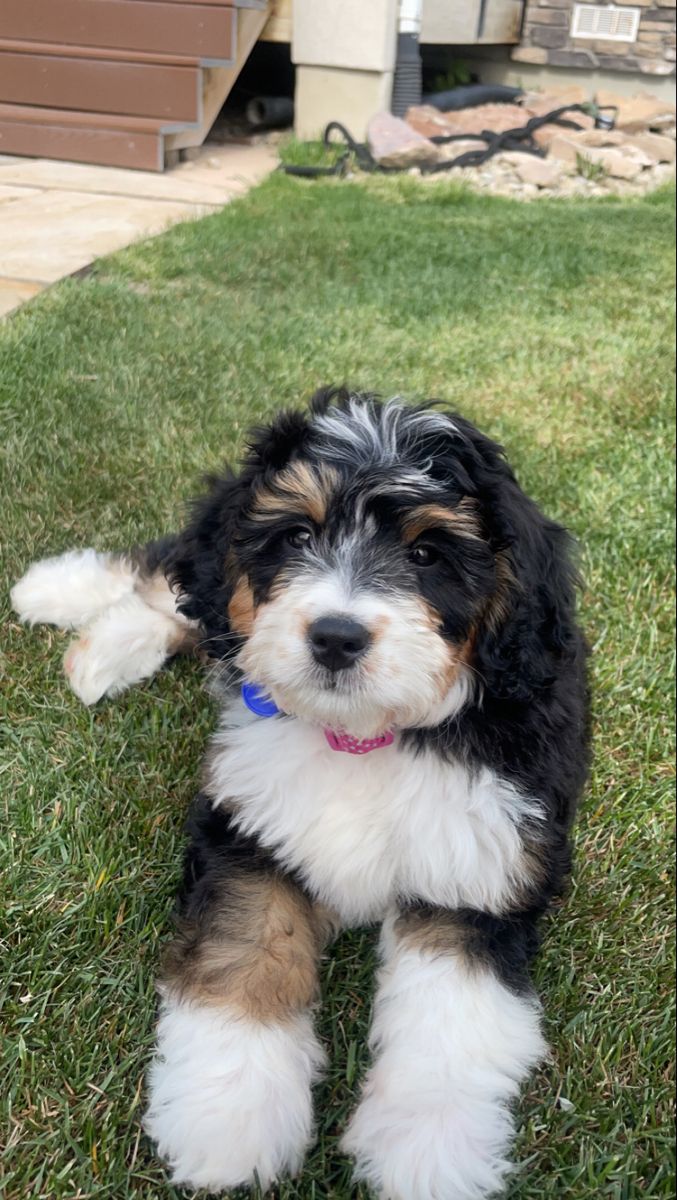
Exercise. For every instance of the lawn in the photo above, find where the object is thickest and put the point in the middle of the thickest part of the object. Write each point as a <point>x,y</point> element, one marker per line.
<point>550,325</point>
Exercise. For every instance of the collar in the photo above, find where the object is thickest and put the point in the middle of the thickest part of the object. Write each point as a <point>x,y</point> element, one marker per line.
<point>260,703</point>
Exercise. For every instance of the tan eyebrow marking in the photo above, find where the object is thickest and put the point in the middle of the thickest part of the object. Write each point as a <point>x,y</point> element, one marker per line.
<point>463,520</point>
<point>299,488</point>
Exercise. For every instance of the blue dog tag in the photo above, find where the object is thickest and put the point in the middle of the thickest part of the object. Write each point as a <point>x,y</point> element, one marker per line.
<point>258,701</point>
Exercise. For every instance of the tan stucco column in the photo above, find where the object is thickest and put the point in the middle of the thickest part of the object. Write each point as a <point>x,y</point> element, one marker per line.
<point>344,52</point>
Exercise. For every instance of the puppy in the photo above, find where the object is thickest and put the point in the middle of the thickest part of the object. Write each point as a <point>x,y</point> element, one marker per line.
<point>403,741</point>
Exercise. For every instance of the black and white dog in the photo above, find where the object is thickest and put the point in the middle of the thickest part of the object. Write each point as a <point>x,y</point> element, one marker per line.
<point>403,740</point>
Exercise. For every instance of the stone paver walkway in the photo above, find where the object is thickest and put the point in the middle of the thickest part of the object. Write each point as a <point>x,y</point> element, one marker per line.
<point>56,218</point>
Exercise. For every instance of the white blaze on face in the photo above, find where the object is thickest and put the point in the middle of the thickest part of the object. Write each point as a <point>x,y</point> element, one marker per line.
<point>409,676</point>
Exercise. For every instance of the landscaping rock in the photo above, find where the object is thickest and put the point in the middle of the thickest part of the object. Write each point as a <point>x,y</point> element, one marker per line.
<point>663,173</point>
<point>496,117</point>
<point>614,139</point>
<point>613,160</point>
<point>640,113</point>
<point>428,121</point>
<point>619,165</point>
<point>393,143</point>
<point>628,163</point>
<point>574,185</point>
<point>539,171</point>
<point>510,158</point>
<point>463,146</point>
<point>537,104</point>
<point>637,155</point>
<point>600,137</point>
<point>659,149</point>
<point>567,149</point>
<point>547,133</point>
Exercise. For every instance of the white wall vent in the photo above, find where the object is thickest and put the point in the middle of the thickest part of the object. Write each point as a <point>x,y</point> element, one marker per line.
<point>605,23</point>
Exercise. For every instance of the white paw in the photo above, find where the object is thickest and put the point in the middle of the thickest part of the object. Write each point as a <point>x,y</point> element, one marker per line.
<point>130,642</point>
<point>424,1149</point>
<point>452,1045</point>
<point>230,1098</point>
<point>72,589</point>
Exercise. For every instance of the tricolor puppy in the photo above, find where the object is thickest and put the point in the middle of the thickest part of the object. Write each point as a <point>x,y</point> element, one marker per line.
<point>403,741</point>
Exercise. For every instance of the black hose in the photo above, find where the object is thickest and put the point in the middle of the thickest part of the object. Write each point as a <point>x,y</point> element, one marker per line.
<point>521,139</point>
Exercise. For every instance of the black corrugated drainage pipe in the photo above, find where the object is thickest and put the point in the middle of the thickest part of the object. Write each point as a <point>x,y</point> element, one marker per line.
<point>469,95</point>
<point>407,81</point>
<point>270,112</point>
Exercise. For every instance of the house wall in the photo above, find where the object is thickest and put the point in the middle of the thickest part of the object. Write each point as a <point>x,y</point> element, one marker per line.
<point>494,64</point>
<point>546,41</point>
<point>449,22</point>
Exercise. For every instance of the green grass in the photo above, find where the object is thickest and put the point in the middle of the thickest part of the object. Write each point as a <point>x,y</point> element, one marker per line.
<point>549,326</point>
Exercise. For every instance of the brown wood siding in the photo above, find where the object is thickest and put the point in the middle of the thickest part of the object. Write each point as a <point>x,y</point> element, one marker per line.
<point>33,114</point>
<point>260,4</point>
<point>101,86</point>
<point>151,25</point>
<point>107,147</point>
<point>63,49</point>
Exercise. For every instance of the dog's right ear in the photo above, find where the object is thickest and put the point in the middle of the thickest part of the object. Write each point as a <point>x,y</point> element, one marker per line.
<point>203,567</point>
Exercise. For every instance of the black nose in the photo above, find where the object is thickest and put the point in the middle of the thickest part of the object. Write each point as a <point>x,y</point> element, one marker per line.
<point>338,642</point>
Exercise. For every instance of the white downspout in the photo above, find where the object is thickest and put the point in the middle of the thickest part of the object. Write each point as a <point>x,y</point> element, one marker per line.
<point>409,16</point>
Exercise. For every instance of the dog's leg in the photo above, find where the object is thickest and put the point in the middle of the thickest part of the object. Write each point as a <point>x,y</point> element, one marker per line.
<point>230,1088</point>
<point>72,589</point>
<point>123,606</point>
<point>128,643</point>
<point>452,1042</point>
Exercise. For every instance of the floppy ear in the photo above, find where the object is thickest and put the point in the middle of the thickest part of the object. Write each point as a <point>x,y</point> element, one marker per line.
<point>529,630</point>
<point>200,564</point>
<point>204,566</point>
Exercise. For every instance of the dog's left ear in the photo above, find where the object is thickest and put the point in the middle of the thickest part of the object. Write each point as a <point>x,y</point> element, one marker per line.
<point>529,629</point>
<point>203,567</point>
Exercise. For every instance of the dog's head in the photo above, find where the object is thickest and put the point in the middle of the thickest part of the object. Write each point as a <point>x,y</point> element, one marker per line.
<point>374,565</point>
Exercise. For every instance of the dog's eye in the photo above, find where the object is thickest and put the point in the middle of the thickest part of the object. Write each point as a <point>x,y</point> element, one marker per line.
<point>423,556</point>
<point>298,538</point>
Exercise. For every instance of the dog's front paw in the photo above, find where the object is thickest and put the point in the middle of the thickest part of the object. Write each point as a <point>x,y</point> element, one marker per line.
<point>420,1148</point>
<point>230,1099</point>
<point>128,643</point>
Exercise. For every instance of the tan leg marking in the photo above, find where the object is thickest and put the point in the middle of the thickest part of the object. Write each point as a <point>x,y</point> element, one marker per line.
<point>256,951</point>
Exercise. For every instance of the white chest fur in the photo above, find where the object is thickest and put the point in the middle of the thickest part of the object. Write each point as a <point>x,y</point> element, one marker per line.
<point>364,830</point>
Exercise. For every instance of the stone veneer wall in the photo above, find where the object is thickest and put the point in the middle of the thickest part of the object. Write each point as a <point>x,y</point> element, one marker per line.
<point>546,41</point>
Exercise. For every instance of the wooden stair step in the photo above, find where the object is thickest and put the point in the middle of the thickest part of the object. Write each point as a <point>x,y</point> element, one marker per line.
<point>32,114</point>
<point>58,135</point>
<point>118,82</point>
<point>261,5</point>
<point>153,26</point>
<point>104,85</point>
<point>96,53</point>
